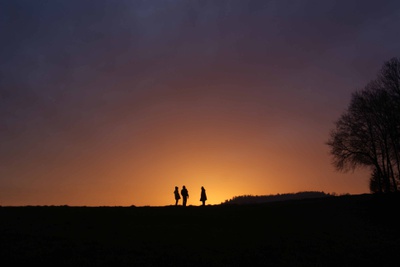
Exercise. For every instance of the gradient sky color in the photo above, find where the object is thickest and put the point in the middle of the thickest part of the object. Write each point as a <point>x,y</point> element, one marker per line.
<point>114,103</point>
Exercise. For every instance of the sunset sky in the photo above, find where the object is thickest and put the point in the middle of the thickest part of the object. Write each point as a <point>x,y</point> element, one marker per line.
<point>114,103</point>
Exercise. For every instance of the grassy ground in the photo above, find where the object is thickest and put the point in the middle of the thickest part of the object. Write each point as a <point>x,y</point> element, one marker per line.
<point>342,231</point>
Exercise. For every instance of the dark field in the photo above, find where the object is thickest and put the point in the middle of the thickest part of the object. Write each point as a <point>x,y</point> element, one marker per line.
<point>360,230</point>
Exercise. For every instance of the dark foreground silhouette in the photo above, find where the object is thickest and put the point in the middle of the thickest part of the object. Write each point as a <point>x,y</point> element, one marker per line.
<point>185,195</point>
<point>203,196</point>
<point>360,230</point>
<point>177,195</point>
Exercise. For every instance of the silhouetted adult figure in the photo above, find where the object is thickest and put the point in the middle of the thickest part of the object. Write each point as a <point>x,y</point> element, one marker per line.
<point>203,196</point>
<point>177,196</point>
<point>185,195</point>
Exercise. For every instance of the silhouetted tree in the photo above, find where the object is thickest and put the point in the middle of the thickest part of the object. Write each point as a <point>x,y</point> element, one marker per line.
<point>250,199</point>
<point>375,185</point>
<point>368,133</point>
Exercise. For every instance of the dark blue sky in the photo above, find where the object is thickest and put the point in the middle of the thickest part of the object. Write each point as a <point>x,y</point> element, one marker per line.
<point>118,84</point>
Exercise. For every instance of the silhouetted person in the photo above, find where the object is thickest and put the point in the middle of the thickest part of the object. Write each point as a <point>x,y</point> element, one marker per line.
<point>177,196</point>
<point>185,195</point>
<point>203,196</point>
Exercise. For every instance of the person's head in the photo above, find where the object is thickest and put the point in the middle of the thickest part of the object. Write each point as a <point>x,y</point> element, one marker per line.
<point>176,187</point>
<point>183,187</point>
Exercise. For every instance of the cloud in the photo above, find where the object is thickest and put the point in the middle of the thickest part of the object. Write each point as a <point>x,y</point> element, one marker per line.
<point>73,69</point>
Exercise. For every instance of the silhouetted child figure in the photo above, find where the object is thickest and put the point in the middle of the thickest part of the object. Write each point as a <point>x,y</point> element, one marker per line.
<point>185,195</point>
<point>177,196</point>
<point>203,196</point>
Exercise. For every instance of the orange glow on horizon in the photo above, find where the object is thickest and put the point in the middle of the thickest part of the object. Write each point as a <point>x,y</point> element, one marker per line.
<point>226,158</point>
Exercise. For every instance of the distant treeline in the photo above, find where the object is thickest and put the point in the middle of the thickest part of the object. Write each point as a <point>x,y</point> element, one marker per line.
<point>250,199</point>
